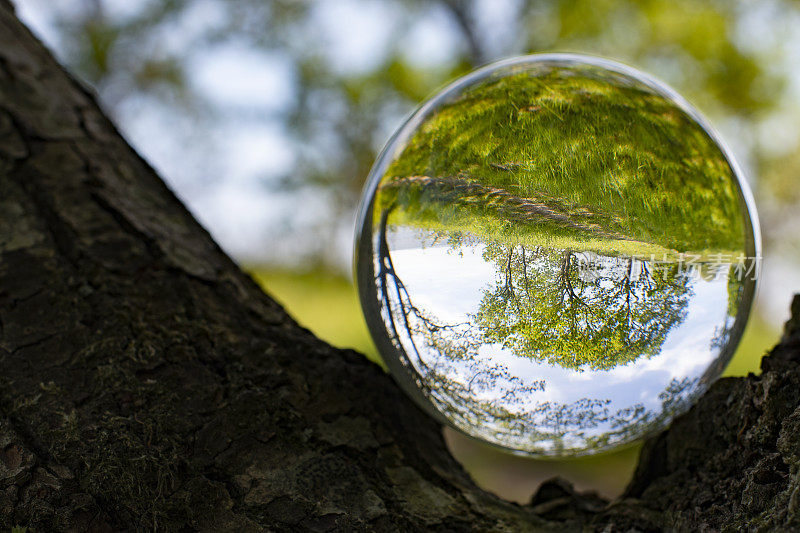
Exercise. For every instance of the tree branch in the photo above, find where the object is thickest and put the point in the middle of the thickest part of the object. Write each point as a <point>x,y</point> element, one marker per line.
<point>460,12</point>
<point>147,383</point>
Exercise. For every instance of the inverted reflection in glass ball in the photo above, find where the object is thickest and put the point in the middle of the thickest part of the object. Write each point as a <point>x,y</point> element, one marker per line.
<point>555,255</point>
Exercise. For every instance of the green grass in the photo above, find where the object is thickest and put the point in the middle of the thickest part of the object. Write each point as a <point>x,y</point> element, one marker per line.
<point>759,337</point>
<point>326,304</point>
<point>491,228</point>
<point>614,154</point>
<point>515,478</point>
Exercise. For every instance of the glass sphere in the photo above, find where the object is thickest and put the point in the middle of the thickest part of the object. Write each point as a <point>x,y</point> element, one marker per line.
<point>556,255</point>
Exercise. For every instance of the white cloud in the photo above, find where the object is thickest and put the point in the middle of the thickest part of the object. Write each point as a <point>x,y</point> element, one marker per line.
<point>234,74</point>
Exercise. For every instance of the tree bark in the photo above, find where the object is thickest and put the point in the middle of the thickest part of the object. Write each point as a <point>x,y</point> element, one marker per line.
<point>147,383</point>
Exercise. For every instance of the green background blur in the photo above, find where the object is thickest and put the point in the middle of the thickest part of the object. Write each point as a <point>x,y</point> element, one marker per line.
<point>265,117</point>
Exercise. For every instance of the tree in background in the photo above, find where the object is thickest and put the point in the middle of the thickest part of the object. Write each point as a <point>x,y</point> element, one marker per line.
<point>545,305</point>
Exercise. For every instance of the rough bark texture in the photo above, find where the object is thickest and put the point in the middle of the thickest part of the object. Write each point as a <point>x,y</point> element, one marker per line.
<point>147,383</point>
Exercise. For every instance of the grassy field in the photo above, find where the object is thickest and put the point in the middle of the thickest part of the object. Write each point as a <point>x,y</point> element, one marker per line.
<point>596,157</point>
<point>327,305</point>
<point>448,218</point>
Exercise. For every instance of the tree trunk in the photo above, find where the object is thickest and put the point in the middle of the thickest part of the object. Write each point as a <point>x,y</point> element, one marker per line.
<point>147,383</point>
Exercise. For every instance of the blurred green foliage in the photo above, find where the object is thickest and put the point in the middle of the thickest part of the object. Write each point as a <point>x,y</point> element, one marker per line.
<point>718,53</point>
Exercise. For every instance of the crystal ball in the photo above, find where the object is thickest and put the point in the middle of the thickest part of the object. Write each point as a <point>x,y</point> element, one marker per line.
<point>556,255</point>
